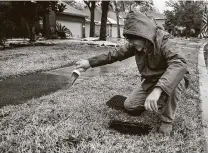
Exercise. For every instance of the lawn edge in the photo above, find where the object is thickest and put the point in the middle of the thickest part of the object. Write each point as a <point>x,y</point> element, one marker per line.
<point>37,71</point>
<point>203,84</point>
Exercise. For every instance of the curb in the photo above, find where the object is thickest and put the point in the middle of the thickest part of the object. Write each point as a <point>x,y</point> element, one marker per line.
<point>203,86</point>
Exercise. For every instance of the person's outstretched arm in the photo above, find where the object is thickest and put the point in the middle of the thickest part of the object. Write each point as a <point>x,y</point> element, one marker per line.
<point>119,54</point>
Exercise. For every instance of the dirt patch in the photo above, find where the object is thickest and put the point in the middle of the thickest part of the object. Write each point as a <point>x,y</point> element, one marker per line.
<point>130,128</point>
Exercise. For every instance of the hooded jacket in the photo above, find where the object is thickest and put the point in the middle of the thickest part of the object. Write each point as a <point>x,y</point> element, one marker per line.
<point>161,65</point>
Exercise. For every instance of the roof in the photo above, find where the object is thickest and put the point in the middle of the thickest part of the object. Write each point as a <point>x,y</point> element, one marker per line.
<point>152,14</point>
<point>72,11</point>
<point>111,19</point>
<point>156,15</point>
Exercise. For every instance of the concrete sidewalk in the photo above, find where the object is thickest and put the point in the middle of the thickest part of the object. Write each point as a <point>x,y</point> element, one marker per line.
<point>203,84</point>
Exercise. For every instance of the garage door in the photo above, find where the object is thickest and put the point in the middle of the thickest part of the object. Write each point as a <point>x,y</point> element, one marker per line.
<point>74,27</point>
<point>114,31</point>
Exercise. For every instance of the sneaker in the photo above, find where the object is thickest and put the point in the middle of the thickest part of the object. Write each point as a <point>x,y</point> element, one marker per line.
<point>117,102</point>
<point>165,128</point>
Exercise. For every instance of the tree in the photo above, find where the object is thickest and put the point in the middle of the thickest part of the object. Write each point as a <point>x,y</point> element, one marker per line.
<point>27,13</point>
<point>186,14</point>
<point>141,5</point>
<point>80,5</point>
<point>50,6</point>
<point>6,25</point>
<point>170,22</point>
<point>105,5</point>
<point>145,5</point>
<point>118,6</point>
<point>117,19</point>
<point>91,5</point>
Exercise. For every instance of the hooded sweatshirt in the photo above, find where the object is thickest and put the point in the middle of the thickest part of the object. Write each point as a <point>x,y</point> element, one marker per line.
<point>160,66</point>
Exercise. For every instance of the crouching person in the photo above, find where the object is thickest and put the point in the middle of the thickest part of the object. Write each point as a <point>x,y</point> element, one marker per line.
<point>159,62</point>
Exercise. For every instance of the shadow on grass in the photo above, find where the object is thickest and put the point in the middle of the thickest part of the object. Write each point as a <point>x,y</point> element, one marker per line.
<point>18,90</point>
<point>117,102</point>
<point>206,54</point>
<point>130,127</point>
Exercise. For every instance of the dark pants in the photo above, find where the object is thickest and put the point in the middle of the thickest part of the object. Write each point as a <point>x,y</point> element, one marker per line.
<point>134,104</point>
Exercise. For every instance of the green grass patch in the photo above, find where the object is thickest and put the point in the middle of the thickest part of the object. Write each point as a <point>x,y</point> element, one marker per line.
<point>27,60</point>
<point>76,119</point>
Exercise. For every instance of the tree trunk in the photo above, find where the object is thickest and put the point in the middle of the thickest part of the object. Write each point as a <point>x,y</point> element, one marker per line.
<point>91,5</point>
<point>117,17</point>
<point>105,5</point>
<point>130,6</point>
<point>92,22</point>
<point>123,6</point>
<point>186,32</point>
<point>28,28</point>
<point>46,26</point>
<point>32,33</point>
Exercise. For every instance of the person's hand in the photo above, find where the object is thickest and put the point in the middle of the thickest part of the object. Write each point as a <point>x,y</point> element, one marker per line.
<point>151,101</point>
<point>82,64</point>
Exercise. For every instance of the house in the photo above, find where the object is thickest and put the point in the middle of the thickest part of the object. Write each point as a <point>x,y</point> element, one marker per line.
<point>78,22</point>
<point>73,19</point>
<point>111,28</point>
<point>158,18</point>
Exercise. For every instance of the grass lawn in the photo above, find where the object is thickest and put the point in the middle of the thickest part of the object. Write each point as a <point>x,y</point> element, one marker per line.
<point>27,60</point>
<point>49,123</point>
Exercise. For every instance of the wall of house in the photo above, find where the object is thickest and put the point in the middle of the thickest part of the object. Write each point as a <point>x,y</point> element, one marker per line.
<point>114,31</point>
<point>87,29</point>
<point>74,24</point>
<point>160,22</point>
<point>97,30</point>
<point>97,14</point>
<point>111,30</point>
<point>74,27</point>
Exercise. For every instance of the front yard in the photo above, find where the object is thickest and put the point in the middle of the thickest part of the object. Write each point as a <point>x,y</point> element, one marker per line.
<point>76,119</point>
<point>27,60</point>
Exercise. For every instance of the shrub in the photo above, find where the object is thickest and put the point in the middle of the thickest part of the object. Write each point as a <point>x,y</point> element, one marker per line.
<point>62,30</point>
<point>6,26</point>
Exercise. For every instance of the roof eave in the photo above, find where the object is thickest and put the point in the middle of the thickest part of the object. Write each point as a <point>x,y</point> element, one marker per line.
<point>73,14</point>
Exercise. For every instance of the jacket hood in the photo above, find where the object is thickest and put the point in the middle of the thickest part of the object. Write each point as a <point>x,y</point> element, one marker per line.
<point>139,24</point>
